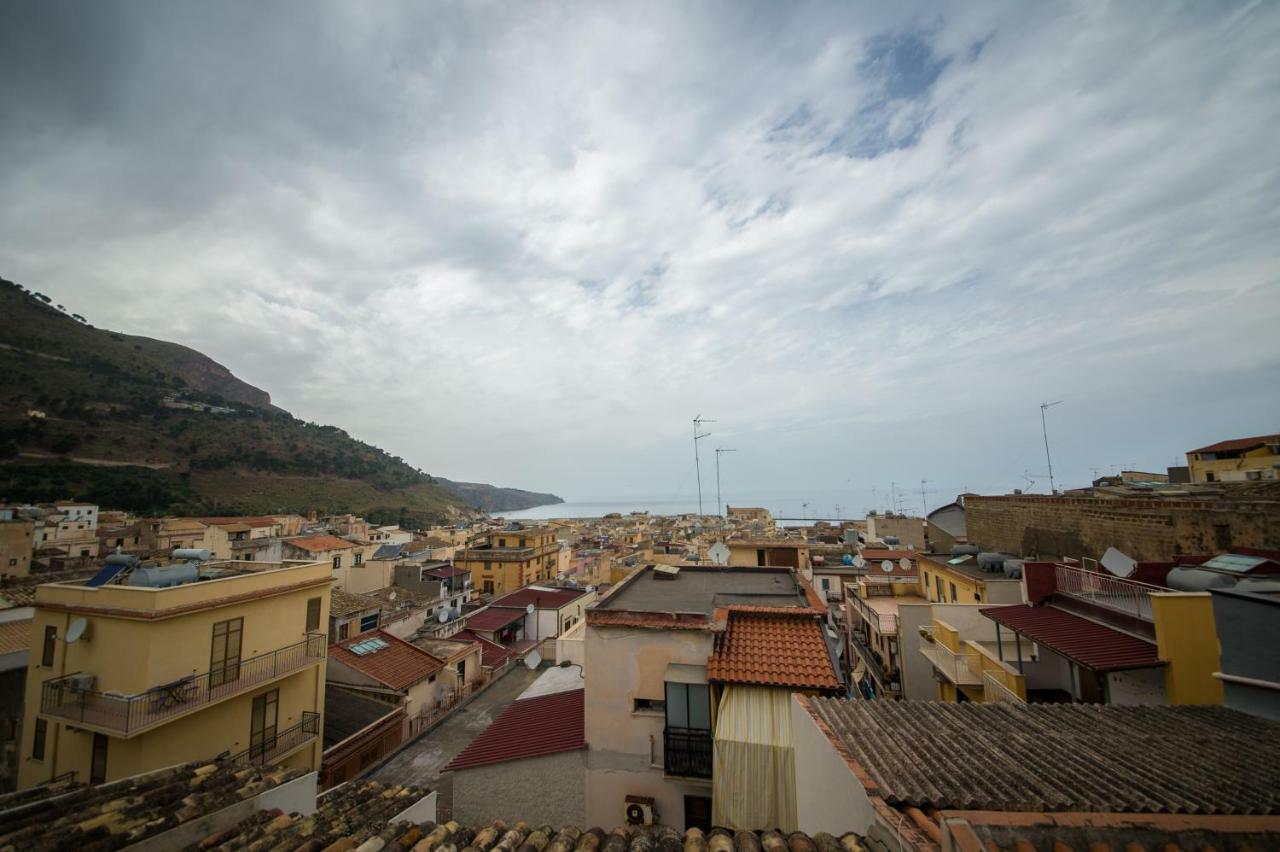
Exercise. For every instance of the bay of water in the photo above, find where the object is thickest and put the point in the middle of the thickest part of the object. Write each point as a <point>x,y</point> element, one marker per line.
<point>820,504</point>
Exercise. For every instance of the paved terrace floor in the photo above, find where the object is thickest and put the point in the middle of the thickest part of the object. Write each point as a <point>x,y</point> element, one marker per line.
<point>420,762</point>
<point>702,589</point>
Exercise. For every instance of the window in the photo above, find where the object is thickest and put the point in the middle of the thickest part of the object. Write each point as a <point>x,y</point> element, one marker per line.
<point>50,644</point>
<point>937,581</point>
<point>13,562</point>
<point>337,562</point>
<point>953,592</point>
<point>313,615</point>
<point>368,622</point>
<point>344,630</point>
<point>977,597</point>
<point>262,723</point>
<point>37,741</point>
<point>98,764</point>
<point>359,558</point>
<point>488,587</point>
<point>1208,476</point>
<point>224,657</point>
<point>1253,475</point>
<point>431,679</point>
<point>462,670</point>
<point>689,706</point>
<point>641,705</point>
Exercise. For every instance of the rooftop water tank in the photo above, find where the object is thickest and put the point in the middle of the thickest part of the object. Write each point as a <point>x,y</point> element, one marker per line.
<point>1189,578</point>
<point>164,576</point>
<point>891,539</point>
<point>847,559</point>
<point>964,550</point>
<point>991,561</point>
<point>198,554</point>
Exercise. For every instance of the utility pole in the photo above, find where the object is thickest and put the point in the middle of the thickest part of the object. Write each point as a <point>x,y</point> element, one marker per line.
<point>1044,429</point>
<point>698,435</point>
<point>719,499</point>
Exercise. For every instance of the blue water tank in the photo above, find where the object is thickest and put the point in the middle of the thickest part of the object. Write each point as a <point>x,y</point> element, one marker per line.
<point>847,559</point>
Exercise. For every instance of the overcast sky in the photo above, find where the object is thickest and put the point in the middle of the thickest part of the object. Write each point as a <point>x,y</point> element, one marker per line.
<point>527,243</point>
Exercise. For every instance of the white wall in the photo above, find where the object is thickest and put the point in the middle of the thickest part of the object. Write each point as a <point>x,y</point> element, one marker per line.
<point>1136,686</point>
<point>828,796</point>
<point>917,672</point>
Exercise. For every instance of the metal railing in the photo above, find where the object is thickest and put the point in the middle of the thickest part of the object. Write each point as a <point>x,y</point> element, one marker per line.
<point>993,690</point>
<point>686,752</point>
<point>955,666</point>
<point>885,622</point>
<point>872,661</point>
<point>1126,596</point>
<point>65,698</point>
<point>280,743</point>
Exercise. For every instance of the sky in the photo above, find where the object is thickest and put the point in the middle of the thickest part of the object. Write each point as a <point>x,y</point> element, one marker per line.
<point>527,243</point>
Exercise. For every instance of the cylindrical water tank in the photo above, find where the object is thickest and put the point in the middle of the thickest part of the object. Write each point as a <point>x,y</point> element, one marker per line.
<point>198,554</point>
<point>163,576</point>
<point>964,550</point>
<point>991,561</point>
<point>1189,578</point>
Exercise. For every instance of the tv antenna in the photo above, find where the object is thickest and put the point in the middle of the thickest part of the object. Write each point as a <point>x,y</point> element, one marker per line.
<point>698,435</point>
<point>924,507</point>
<point>720,500</point>
<point>1044,429</point>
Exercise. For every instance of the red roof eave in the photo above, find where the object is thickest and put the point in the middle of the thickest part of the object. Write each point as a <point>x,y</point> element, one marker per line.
<point>1088,643</point>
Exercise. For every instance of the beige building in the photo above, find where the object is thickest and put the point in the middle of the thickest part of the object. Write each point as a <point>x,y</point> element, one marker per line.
<point>161,665</point>
<point>508,559</point>
<point>908,531</point>
<point>773,553</point>
<point>338,552</point>
<point>17,537</point>
<point>1238,460</point>
<point>165,535</point>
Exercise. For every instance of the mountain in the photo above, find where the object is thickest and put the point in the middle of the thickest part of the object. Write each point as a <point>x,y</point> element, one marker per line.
<point>491,498</point>
<point>153,427</point>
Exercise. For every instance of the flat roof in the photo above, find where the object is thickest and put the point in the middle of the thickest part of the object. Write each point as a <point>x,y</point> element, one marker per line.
<point>704,588</point>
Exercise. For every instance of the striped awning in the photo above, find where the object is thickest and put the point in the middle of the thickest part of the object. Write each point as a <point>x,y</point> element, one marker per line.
<point>754,760</point>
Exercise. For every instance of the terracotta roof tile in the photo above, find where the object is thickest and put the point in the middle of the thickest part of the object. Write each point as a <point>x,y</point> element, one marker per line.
<point>320,543</point>
<point>1086,642</point>
<point>547,724</point>
<point>344,603</point>
<point>772,647</point>
<point>1238,444</point>
<point>491,653</point>
<point>399,665</point>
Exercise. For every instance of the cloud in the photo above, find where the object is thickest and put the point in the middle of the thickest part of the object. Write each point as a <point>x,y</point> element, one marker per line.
<point>527,246</point>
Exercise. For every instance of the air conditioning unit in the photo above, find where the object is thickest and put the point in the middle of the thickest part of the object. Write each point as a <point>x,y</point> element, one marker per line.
<point>640,810</point>
<point>81,682</point>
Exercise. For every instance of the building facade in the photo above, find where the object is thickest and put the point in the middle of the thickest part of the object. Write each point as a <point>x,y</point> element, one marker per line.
<point>508,559</point>
<point>1239,460</point>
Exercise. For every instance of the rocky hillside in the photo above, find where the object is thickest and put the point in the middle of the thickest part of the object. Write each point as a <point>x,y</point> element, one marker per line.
<point>153,426</point>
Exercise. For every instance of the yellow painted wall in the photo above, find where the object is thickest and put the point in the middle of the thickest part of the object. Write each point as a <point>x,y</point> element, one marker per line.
<point>16,541</point>
<point>1187,639</point>
<point>1234,470</point>
<point>130,655</point>
<point>967,589</point>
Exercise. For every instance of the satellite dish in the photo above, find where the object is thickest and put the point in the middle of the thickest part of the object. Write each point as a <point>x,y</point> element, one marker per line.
<point>79,629</point>
<point>1118,563</point>
<point>719,553</point>
<point>533,660</point>
<point>886,566</point>
<point>859,562</point>
<point>904,563</point>
<point>391,596</point>
<point>443,617</point>
<point>529,609</point>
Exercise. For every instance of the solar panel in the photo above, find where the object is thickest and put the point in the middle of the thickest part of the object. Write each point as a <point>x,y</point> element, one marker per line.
<point>368,646</point>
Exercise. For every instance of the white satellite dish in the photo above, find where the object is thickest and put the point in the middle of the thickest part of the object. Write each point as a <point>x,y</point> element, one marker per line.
<point>533,660</point>
<point>1118,563</point>
<point>859,562</point>
<point>79,629</point>
<point>391,596</point>
<point>886,566</point>
<point>719,553</point>
<point>904,563</point>
<point>443,617</point>
<point>529,609</point>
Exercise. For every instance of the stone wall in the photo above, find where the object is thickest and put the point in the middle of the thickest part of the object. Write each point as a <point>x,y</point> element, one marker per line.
<point>1033,525</point>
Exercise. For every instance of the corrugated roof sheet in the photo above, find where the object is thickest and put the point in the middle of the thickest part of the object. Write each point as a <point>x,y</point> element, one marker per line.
<point>15,636</point>
<point>399,665</point>
<point>540,598</point>
<point>548,724</point>
<point>1060,757</point>
<point>494,619</point>
<point>772,647</point>
<point>1088,643</point>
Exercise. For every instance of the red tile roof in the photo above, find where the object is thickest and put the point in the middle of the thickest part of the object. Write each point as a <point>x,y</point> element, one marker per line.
<point>494,619</point>
<point>399,665</point>
<point>1092,645</point>
<point>1238,444</point>
<point>491,653</point>
<point>540,598</point>
<point>548,724</point>
<point>446,571</point>
<point>319,543</point>
<point>772,647</point>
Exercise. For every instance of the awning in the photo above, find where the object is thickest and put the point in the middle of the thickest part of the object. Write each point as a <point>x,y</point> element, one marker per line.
<point>1087,643</point>
<point>754,770</point>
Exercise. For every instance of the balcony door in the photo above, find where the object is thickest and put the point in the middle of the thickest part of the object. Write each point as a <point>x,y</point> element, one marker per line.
<point>687,736</point>
<point>224,659</point>
<point>262,726</point>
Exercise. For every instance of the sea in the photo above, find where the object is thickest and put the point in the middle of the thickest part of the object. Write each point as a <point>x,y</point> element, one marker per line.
<point>798,507</point>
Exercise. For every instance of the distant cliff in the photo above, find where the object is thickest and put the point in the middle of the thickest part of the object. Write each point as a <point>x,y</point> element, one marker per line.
<point>491,498</point>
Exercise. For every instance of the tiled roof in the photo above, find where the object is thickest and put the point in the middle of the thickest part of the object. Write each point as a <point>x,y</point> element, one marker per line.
<point>1058,757</point>
<point>492,618</point>
<point>342,604</point>
<point>772,647</point>
<point>491,653</point>
<point>399,665</point>
<point>1092,645</point>
<point>540,598</point>
<point>446,571</point>
<point>388,551</point>
<point>1238,444</point>
<point>320,543</point>
<point>15,636</point>
<point>548,724</point>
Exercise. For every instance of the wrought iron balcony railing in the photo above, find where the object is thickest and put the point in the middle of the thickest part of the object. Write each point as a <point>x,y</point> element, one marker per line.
<point>686,752</point>
<point>280,743</point>
<point>74,699</point>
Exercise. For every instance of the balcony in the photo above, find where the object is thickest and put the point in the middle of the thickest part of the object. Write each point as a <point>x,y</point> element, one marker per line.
<point>994,691</point>
<point>959,667</point>
<point>278,745</point>
<point>884,622</point>
<point>871,659</point>
<point>68,698</point>
<point>1119,595</point>
<point>686,752</point>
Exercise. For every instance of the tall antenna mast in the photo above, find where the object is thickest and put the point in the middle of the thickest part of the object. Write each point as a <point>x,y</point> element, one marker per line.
<point>719,499</point>
<point>924,507</point>
<point>1044,429</point>
<point>698,435</point>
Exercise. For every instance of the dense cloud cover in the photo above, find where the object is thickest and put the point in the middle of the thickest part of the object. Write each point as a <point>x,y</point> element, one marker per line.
<point>527,242</point>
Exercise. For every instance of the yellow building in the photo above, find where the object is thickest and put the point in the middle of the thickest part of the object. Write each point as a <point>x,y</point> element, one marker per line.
<point>960,579</point>
<point>1238,460</point>
<point>506,560</point>
<point>132,675</point>
<point>16,541</point>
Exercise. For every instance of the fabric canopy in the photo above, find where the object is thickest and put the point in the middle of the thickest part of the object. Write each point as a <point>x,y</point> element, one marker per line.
<point>755,760</point>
